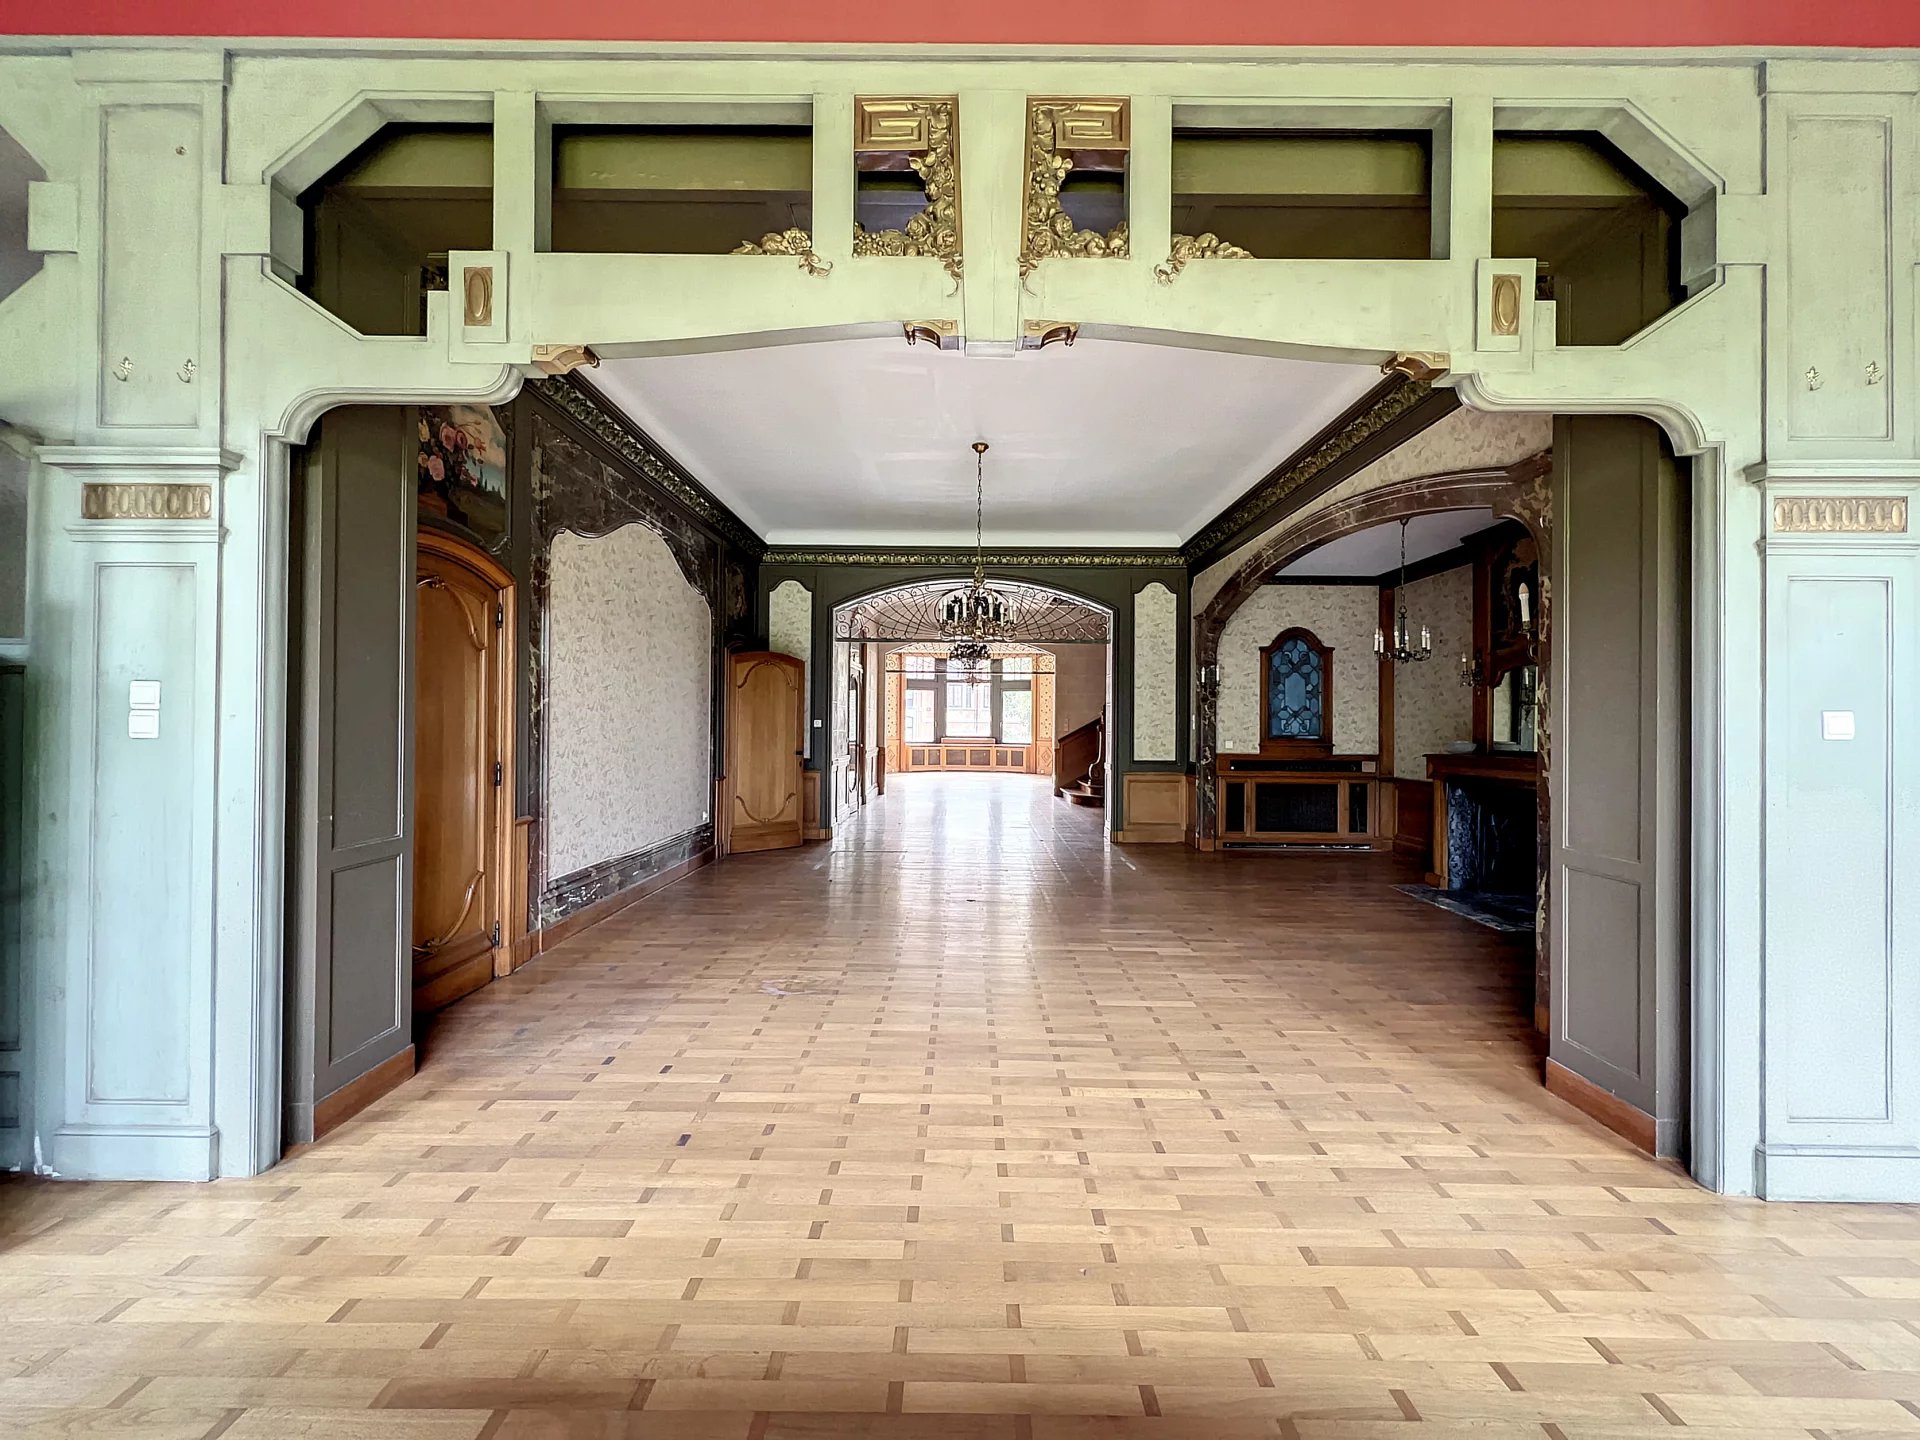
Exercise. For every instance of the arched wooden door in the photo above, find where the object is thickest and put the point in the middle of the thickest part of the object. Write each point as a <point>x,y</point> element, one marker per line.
<point>463,768</point>
<point>765,713</point>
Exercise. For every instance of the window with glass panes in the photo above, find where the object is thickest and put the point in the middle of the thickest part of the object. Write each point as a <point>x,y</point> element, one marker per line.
<point>947,700</point>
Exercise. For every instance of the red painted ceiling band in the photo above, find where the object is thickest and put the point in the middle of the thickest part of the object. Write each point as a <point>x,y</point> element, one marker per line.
<point>1063,24</point>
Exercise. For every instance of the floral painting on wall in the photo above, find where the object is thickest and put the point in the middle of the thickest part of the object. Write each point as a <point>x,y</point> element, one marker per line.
<point>462,469</point>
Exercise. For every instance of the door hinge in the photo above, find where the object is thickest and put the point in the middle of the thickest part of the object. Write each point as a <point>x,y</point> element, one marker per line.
<point>496,935</point>
<point>497,772</point>
<point>499,616</point>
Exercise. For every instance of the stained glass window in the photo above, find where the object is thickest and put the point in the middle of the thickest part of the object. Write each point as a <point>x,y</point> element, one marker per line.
<point>1296,692</point>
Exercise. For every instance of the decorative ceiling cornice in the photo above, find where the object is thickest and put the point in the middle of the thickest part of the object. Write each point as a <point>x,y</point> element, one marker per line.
<point>586,406</point>
<point>962,560</point>
<point>1392,401</point>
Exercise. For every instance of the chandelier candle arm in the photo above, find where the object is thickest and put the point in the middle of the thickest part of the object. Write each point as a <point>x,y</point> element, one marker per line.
<point>1402,652</point>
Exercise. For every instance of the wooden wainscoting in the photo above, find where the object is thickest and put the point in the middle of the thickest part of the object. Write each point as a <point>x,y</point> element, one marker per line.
<point>519,947</point>
<point>1412,817</point>
<point>1333,800</point>
<point>1004,759</point>
<point>810,826</point>
<point>1156,807</point>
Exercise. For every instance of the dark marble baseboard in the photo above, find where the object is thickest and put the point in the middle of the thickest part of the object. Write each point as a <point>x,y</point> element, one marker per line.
<point>595,883</point>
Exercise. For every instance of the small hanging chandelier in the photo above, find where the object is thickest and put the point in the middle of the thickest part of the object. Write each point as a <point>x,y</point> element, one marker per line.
<point>1402,651</point>
<point>975,617</point>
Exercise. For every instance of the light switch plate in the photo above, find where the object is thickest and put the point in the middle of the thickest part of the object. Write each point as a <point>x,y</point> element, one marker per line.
<point>143,694</point>
<point>143,725</point>
<point>1836,724</point>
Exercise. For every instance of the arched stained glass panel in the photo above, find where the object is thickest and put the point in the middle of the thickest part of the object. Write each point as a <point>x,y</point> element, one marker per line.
<point>1296,692</point>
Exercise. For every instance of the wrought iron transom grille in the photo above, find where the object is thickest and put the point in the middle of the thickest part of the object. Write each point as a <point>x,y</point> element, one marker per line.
<point>913,613</point>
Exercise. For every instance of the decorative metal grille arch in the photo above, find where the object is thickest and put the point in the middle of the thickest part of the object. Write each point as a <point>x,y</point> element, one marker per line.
<point>910,613</point>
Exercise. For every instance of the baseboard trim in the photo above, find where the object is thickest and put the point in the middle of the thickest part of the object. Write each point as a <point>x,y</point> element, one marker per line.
<point>587,916</point>
<point>1630,1123</point>
<point>1151,835</point>
<point>356,1095</point>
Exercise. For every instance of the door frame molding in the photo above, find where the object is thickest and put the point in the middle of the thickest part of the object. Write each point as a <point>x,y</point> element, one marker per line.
<point>462,552</point>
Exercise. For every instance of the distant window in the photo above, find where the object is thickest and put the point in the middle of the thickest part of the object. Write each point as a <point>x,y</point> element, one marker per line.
<point>920,716</point>
<point>969,705</point>
<point>1016,717</point>
<point>917,664</point>
<point>1297,693</point>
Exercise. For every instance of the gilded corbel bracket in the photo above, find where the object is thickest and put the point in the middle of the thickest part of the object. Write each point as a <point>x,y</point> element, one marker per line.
<point>796,242</point>
<point>941,334</point>
<point>1039,334</point>
<point>1188,248</point>
<point>1054,128</point>
<point>564,359</point>
<point>1423,366</point>
<point>929,131</point>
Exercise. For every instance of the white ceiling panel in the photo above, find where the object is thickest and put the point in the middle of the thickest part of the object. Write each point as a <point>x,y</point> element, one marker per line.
<point>866,441</point>
<point>1376,550</point>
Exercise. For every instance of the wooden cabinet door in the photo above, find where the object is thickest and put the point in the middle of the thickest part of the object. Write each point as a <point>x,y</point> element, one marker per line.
<point>460,762</point>
<point>765,710</point>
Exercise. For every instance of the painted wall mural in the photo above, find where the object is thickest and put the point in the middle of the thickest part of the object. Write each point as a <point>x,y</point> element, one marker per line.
<point>1340,616</point>
<point>629,691</point>
<point>1156,641</point>
<point>461,469</point>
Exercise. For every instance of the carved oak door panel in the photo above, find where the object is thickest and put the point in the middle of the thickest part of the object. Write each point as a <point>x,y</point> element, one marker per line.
<point>765,710</point>
<point>461,736</point>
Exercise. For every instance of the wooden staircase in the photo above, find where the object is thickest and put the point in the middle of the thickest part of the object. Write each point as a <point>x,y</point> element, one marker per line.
<point>1079,764</point>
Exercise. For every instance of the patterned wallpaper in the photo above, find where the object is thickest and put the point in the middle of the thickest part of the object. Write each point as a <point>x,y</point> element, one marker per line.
<point>1464,440</point>
<point>790,632</point>
<point>1342,616</point>
<point>628,701</point>
<point>1156,639</point>
<point>1430,705</point>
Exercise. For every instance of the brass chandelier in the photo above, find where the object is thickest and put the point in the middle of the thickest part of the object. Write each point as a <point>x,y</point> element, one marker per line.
<point>974,618</point>
<point>1402,651</point>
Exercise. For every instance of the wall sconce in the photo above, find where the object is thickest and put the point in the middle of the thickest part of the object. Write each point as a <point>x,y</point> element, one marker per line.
<point>1471,672</point>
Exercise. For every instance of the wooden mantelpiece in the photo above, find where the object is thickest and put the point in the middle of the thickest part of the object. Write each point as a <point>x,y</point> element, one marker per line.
<point>1496,766</point>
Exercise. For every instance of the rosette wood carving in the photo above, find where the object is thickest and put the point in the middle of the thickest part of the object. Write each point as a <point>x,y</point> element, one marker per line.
<point>1187,248</point>
<point>930,127</point>
<point>795,242</point>
<point>1053,128</point>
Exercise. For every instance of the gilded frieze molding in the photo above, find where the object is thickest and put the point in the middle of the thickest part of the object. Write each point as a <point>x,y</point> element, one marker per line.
<point>1840,515</point>
<point>1187,248</point>
<point>796,242</point>
<point>929,132</point>
<point>656,465</point>
<point>1054,128</point>
<point>1395,399</point>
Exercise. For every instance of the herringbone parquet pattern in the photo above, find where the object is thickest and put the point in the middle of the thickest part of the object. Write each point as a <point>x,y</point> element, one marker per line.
<point>970,1127</point>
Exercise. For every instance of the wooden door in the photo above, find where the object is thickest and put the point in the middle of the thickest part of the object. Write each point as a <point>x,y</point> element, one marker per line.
<point>462,730</point>
<point>766,708</point>
<point>349,1009</point>
<point>1618,768</point>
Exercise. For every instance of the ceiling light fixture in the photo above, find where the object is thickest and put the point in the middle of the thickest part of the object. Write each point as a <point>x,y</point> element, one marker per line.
<point>1402,652</point>
<point>975,617</point>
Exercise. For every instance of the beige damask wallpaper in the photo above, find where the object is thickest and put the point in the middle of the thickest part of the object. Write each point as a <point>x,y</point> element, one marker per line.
<point>628,699</point>
<point>790,632</point>
<point>1156,638</point>
<point>1342,616</point>
<point>1430,705</point>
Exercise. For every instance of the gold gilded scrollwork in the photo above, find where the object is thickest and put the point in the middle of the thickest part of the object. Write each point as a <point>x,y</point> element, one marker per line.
<point>1054,126</point>
<point>932,128</point>
<point>1196,247</point>
<point>796,242</point>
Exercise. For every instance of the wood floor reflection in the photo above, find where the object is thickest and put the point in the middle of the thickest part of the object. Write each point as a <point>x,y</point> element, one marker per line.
<point>969,1125</point>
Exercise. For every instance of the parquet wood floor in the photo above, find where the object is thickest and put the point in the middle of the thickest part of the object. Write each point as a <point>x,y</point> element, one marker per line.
<point>970,1127</point>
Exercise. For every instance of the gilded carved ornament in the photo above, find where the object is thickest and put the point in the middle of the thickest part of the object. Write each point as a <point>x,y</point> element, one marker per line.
<point>1196,247</point>
<point>930,127</point>
<point>1054,126</point>
<point>795,242</point>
